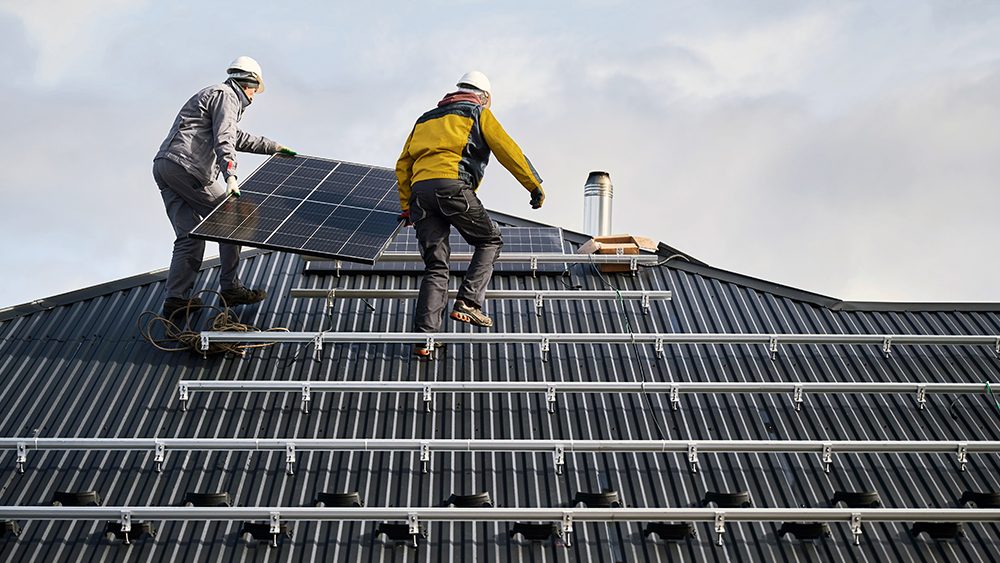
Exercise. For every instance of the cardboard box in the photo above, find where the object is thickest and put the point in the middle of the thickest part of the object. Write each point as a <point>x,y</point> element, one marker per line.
<point>610,244</point>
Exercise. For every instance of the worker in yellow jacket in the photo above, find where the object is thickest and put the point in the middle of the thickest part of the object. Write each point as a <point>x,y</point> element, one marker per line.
<point>439,172</point>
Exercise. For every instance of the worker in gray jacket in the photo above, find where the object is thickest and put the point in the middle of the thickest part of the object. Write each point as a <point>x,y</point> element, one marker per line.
<point>203,141</point>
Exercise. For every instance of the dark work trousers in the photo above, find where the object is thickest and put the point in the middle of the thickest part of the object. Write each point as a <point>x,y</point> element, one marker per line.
<point>436,206</point>
<point>187,202</point>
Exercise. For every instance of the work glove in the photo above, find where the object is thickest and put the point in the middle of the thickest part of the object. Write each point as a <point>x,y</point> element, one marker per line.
<point>285,150</point>
<point>537,197</point>
<point>232,188</point>
<point>405,218</point>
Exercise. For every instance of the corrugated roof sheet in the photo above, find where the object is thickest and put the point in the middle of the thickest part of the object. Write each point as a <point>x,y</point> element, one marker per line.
<point>79,368</point>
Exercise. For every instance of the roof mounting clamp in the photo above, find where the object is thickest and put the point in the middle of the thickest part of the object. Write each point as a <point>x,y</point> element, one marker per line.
<point>184,396</point>
<point>887,346</point>
<point>204,344</point>
<point>798,398</point>
<point>414,523</point>
<point>772,347</point>
<point>921,396</point>
<point>159,453</point>
<point>331,298</point>
<point>567,528</point>
<point>306,397</point>
<point>534,266</point>
<point>559,457</point>
<point>856,527</point>
<point>22,456</point>
<point>693,457</point>
<point>275,527</point>
<point>338,264</point>
<point>645,303</point>
<point>425,455</point>
<point>538,304</point>
<point>318,347</point>
<point>289,459</point>
<point>963,449</point>
<point>430,347</point>
<point>428,397</point>
<point>126,522</point>
<point>633,265</point>
<point>996,349</point>
<point>658,347</point>
<point>675,397</point>
<point>545,348</point>
<point>720,526</point>
<point>827,457</point>
<point>550,398</point>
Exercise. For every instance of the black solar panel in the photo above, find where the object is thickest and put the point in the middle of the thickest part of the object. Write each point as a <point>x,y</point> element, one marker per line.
<point>313,206</point>
<point>516,240</point>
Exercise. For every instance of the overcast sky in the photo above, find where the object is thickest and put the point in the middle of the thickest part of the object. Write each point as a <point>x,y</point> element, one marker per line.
<point>847,148</point>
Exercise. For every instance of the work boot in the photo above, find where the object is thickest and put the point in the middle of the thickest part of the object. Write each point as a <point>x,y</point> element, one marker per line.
<point>173,304</point>
<point>468,314</point>
<point>242,296</point>
<point>421,351</point>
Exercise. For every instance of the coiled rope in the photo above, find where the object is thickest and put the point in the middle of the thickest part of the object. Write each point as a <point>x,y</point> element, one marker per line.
<point>189,339</point>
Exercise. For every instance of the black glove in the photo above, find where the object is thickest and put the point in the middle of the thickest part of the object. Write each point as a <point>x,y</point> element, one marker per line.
<point>537,197</point>
<point>405,218</point>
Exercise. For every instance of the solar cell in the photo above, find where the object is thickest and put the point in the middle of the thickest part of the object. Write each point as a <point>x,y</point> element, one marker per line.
<point>310,205</point>
<point>516,240</point>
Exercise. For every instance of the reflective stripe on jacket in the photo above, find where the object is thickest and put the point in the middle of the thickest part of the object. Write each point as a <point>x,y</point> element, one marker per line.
<point>454,142</point>
<point>205,137</point>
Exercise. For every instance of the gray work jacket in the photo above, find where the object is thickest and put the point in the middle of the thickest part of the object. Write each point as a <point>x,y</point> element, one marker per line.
<point>205,137</point>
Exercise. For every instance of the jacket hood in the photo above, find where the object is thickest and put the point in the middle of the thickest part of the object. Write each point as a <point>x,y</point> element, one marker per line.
<point>459,96</point>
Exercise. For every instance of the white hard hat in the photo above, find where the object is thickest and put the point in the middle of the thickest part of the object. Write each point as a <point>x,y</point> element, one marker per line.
<point>475,79</point>
<point>245,67</point>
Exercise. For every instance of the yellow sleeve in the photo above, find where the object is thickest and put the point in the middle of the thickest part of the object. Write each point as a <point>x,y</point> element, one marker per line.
<point>404,174</point>
<point>507,151</point>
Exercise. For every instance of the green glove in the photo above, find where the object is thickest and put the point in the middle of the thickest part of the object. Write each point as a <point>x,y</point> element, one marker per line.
<point>285,150</point>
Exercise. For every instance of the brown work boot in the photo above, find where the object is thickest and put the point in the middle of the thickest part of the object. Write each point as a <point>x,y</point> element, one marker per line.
<point>173,304</point>
<point>468,314</point>
<point>242,296</point>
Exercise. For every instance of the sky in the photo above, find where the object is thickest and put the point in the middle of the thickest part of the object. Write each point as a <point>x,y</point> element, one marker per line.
<point>846,148</point>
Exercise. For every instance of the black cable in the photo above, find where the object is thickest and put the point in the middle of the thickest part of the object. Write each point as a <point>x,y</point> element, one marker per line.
<point>664,261</point>
<point>635,348</point>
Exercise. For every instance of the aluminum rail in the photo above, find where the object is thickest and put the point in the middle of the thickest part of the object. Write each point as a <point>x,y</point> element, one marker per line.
<point>551,388</point>
<point>558,447</point>
<point>538,258</point>
<point>886,341</point>
<point>566,517</point>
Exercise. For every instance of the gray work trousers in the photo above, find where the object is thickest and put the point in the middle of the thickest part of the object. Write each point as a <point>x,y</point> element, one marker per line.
<point>187,202</point>
<point>436,206</point>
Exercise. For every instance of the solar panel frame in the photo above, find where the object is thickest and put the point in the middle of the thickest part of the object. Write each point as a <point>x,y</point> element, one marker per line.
<point>310,205</point>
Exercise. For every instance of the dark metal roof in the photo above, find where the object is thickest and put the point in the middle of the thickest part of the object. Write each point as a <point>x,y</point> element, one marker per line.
<point>78,367</point>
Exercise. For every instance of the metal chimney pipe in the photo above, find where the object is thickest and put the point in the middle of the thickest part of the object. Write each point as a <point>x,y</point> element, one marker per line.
<point>597,194</point>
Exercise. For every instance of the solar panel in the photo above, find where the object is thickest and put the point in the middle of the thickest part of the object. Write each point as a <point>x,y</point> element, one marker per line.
<point>313,206</point>
<point>519,240</point>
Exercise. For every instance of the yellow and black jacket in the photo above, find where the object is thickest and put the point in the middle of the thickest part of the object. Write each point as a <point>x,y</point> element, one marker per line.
<point>453,141</point>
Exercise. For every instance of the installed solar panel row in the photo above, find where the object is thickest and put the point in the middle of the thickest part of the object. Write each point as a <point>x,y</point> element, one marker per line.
<point>310,205</point>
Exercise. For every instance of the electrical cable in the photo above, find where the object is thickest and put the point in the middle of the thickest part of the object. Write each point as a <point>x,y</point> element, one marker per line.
<point>664,261</point>
<point>635,348</point>
<point>995,401</point>
<point>188,339</point>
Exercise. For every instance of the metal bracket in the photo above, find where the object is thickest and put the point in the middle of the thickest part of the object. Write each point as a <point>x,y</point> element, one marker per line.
<point>567,528</point>
<point>22,456</point>
<point>887,347</point>
<point>534,266</point>
<point>428,397</point>
<point>430,347</point>
<point>290,458</point>
<point>275,528</point>
<point>184,396</point>
<point>633,264</point>
<point>693,457</point>
<point>559,457</point>
<point>645,303</point>
<point>126,522</point>
<point>545,348</point>
<point>331,298</point>
<point>318,347</point>
<point>996,349</point>
<point>306,397</point>
<point>720,526</point>
<point>827,457</point>
<point>675,397</point>
<point>658,347</point>
<point>204,343</point>
<point>856,527</point>
<point>414,524</point>
<point>963,449</point>
<point>772,347</point>
<point>159,453</point>
<point>338,264</point>
<point>921,396</point>
<point>798,398</point>
<point>425,455</point>
<point>550,398</point>
<point>538,304</point>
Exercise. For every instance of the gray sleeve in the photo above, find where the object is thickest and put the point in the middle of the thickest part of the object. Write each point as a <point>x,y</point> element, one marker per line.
<point>246,142</point>
<point>226,133</point>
